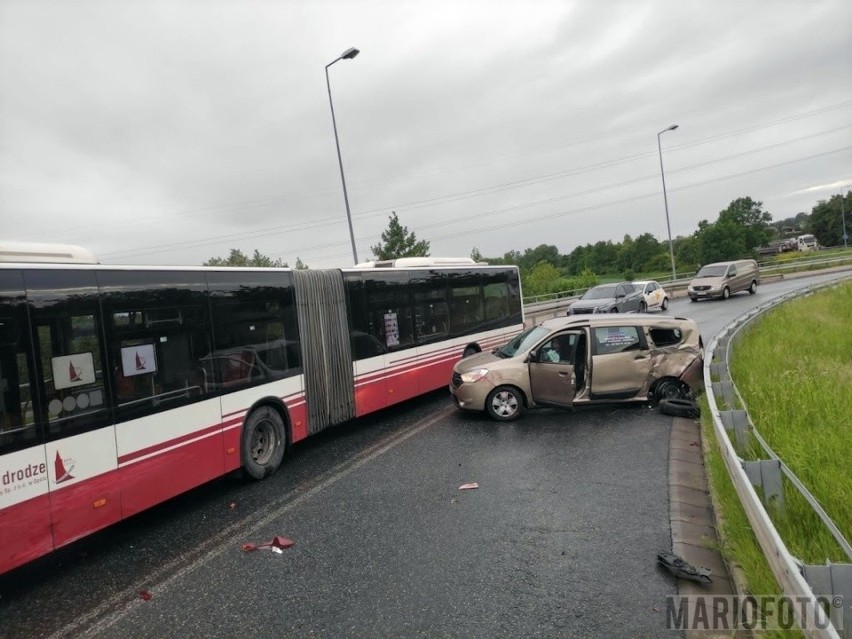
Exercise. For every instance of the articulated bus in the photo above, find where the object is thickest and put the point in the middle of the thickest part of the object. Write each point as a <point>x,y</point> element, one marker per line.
<point>123,386</point>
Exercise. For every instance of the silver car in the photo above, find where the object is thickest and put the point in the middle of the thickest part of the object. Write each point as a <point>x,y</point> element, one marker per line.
<point>623,297</point>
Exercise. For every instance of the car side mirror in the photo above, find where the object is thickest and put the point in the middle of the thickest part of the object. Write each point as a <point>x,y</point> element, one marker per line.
<point>533,356</point>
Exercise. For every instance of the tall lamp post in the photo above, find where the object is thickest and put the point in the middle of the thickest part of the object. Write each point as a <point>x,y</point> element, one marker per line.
<point>666,199</point>
<point>843,221</point>
<point>346,55</point>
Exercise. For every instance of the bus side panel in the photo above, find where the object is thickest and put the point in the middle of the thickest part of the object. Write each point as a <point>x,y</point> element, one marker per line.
<point>370,385</point>
<point>25,532</point>
<point>162,456</point>
<point>84,493</point>
<point>24,508</point>
<point>437,368</point>
<point>298,410</point>
<point>403,375</point>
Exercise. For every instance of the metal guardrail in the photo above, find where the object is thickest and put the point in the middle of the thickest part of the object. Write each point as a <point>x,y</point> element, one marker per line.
<point>795,578</point>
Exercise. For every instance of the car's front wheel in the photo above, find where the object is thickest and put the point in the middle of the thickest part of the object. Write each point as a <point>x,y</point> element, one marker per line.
<point>665,303</point>
<point>643,307</point>
<point>726,293</point>
<point>504,403</point>
<point>753,288</point>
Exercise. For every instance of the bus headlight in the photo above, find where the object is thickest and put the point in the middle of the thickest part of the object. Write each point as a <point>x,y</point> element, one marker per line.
<point>473,376</point>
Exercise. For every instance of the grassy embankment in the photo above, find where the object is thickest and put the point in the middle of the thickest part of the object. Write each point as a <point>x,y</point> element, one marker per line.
<point>794,370</point>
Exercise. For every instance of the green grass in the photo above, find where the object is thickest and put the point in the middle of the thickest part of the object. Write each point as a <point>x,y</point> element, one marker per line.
<point>794,371</point>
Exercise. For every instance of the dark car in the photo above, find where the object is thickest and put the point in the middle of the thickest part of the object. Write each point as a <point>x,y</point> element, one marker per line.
<point>623,297</point>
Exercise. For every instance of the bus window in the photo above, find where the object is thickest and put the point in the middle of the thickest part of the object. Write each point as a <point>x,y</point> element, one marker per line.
<point>431,311</point>
<point>157,341</point>
<point>68,330</point>
<point>496,291</point>
<point>255,329</point>
<point>17,413</point>
<point>466,308</point>
<point>389,309</point>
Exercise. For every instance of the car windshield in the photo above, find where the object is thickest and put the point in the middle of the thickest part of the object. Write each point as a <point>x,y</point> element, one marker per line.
<point>599,293</point>
<point>522,342</point>
<point>713,270</point>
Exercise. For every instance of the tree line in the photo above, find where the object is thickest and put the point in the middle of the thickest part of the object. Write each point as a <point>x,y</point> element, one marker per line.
<point>738,231</point>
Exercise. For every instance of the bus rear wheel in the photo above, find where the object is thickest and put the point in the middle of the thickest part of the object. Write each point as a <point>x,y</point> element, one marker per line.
<point>263,442</point>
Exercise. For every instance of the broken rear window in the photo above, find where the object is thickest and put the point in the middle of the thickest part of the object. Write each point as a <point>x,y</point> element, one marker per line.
<point>666,336</point>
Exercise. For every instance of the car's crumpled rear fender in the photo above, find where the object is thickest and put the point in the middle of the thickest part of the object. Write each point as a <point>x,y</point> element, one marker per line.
<point>693,375</point>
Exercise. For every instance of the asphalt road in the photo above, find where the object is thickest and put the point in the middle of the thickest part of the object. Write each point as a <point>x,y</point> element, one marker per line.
<point>560,539</point>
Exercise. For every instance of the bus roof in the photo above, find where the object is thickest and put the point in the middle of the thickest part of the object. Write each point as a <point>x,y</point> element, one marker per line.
<point>43,252</point>
<point>408,262</point>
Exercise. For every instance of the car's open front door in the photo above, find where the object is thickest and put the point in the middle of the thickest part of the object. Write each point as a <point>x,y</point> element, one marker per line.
<point>552,378</point>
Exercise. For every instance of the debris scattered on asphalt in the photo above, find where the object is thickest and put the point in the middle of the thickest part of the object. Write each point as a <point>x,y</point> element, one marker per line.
<point>471,486</point>
<point>680,568</point>
<point>695,444</point>
<point>232,505</point>
<point>277,544</point>
<point>145,595</point>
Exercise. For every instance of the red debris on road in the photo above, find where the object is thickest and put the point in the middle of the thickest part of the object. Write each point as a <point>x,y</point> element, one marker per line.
<point>276,543</point>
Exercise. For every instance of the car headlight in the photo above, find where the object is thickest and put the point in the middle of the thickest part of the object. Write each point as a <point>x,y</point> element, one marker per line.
<point>473,376</point>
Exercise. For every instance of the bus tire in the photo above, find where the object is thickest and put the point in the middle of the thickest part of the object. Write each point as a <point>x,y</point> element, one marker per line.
<point>263,442</point>
<point>469,350</point>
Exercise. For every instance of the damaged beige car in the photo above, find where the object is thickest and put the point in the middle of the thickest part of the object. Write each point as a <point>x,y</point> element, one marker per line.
<point>582,360</point>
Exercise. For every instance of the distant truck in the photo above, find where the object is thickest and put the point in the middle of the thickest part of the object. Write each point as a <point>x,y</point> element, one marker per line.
<point>778,246</point>
<point>806,242</point>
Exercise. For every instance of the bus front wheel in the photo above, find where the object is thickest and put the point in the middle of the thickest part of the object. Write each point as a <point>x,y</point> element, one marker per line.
<point>263,442</point>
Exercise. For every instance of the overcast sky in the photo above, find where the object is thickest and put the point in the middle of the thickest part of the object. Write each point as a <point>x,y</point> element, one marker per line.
<point>170,132</point>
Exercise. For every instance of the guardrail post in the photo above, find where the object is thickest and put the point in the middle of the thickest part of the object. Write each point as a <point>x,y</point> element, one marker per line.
<point>737,421</point>
<point>721,370</point>
<point>766,473</point>
<point>832,581</point>
<point>725,390</point>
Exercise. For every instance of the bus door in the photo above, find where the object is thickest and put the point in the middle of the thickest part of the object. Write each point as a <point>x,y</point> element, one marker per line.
<point>72,406</point>
<point>168,430</point>
<point>25,531</point>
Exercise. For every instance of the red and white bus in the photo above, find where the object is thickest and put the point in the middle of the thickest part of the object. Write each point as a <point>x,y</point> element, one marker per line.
<point>123,386</point>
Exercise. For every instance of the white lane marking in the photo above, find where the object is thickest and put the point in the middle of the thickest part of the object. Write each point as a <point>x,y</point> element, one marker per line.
<point>224,540</point>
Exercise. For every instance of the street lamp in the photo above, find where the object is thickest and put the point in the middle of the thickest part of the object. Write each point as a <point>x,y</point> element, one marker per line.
<point>666,199</point>
<point>843,220</point>
<point>346,55</point>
